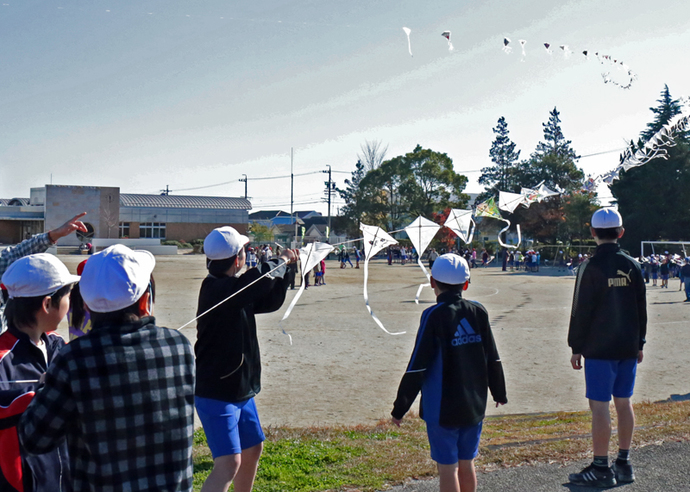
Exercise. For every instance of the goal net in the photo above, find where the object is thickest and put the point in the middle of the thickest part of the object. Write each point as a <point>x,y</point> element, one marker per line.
<point>680,248</point>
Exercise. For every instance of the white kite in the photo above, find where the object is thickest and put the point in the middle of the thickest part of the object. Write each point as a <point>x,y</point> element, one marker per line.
<point>510,201</point>
<point>491,210</point>
<point>446,34</point>
<point>409,45</point>
<point>421,232</point>
<point>309,256</point>
<point>522,45</point>
<point>460,222</point>
<point>375,239</point>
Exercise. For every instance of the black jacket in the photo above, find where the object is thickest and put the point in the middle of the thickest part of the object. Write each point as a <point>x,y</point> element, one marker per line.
<point>22,360</point>
<point>609,315</point>
<point>454,362</point>
<point>227,349</point>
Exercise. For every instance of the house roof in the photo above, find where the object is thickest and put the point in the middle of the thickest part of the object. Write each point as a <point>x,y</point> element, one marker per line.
<point>181,201</point>
<point>7,202</point>
<point>267,214</point>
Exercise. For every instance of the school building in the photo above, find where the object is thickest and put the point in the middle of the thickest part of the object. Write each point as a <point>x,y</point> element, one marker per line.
<point>111,214</point>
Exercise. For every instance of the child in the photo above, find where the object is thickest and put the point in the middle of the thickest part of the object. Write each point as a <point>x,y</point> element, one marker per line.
<point>454,362</point>
<point>228,359</point>
<point>608,325</point>
<point>78,318</point>
<point>38,287</point>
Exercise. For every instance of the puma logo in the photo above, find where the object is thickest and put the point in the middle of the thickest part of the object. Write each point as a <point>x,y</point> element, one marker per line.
<point>621,282</point>
<point>623,274</point>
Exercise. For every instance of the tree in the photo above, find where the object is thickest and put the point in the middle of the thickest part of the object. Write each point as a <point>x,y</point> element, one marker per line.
<point>652,198</point>
<point>553,161</point>
<point>261,233</point>
<point>372,154</point>
<point>499,177</point>
<point>355,202</point>
<point>418,183</point>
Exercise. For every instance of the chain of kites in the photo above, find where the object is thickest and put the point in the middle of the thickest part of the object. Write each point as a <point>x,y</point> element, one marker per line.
<point>567,53</point>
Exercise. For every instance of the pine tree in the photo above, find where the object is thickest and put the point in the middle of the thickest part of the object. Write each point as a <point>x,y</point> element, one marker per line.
<point>667,109</point>
<point>499,177</point>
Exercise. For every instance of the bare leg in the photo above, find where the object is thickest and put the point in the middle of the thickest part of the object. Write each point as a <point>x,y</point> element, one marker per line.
<point>626,421</point>
<point>244,480</point>
<point>601,427</point>
<point>467,476</point>
<point>448,478</point>
<point>224,470</point>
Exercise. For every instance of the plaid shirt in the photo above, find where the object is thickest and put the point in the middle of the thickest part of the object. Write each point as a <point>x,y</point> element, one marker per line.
<point>124,398</point>
<point>37,244</point>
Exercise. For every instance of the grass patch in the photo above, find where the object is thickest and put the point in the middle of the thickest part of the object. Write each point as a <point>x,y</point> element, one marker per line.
<point>367,458</point>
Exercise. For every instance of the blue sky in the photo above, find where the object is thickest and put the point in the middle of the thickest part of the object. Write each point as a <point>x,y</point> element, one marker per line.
<point>191,94</point>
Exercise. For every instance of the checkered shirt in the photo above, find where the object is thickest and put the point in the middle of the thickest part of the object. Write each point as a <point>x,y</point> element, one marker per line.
<point>37,244</point>
<point>124,398</point>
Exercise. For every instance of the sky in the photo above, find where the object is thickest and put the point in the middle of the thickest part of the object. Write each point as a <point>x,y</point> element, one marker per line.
<point>193,95</point>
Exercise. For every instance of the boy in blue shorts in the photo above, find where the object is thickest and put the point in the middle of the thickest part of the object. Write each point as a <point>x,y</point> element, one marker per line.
<point>454,364</point>
<point>608,327</point>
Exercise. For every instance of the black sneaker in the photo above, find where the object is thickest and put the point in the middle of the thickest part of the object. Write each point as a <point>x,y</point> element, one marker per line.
<point>624,472</point>
<point>593,477</point>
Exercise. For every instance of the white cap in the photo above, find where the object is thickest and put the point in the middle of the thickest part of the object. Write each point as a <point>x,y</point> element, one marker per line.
<point>450,269</point>
<point>224,242</point>
<point>606,218</point>
<point>116,278</point>
<point>37,275</point>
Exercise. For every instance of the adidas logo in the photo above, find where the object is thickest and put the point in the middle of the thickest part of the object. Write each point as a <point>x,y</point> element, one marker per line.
<point>465,334</point>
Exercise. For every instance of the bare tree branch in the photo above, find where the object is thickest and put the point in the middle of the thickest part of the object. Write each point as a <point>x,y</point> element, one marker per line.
<point>372,154</point>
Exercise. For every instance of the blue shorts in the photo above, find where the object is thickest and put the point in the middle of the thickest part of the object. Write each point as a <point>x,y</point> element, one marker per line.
<point>605,378</point>
<point>448,446</point>
<point>229,427</point>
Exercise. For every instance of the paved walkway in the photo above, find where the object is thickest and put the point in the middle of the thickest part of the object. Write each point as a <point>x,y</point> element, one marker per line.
<point>658,468</point>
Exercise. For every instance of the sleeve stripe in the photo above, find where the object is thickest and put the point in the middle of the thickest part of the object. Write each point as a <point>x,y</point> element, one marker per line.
<point>422,327</point>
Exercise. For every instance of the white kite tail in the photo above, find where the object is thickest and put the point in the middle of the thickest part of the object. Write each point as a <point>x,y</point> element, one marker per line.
<point>428,277</point>
<point>291,306</point>
<point>366,300</point>
<point>505,229</point>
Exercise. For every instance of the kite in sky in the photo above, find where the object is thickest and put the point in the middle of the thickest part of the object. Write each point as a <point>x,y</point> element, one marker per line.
<point>506,45</point>
<point>491,210</point>
<point>409,45</point>
<point>309,256</point>
<point>421,232</point>
<point>375,239</point>
<point>460,222</point>
<point>446,34</point>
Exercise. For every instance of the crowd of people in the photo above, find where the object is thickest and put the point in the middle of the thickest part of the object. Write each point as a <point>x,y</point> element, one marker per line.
<point>113,409</point>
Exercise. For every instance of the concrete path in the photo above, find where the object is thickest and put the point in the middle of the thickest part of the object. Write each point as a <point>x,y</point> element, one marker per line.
<point>664,467</point>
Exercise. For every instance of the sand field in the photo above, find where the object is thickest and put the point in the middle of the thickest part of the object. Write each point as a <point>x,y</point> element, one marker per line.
<point>343,369</point>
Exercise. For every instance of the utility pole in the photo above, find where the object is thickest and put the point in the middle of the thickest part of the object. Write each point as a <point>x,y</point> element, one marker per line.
<point>292,192</point>
<point>166,191</point>
<point>329,187</point>
<point>245,185</point>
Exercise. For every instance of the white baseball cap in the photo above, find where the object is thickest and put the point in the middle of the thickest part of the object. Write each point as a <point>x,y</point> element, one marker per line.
<point>116,278</point>
<point>450,269</point>
<point>606,218</point>
<point>224,242</point>
<point>37,275</point>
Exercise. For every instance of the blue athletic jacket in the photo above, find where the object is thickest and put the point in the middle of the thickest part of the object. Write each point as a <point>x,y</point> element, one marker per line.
<point>454,364</point>
<point>20,471</point>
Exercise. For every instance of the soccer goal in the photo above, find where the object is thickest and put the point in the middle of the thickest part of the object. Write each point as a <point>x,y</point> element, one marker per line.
<point>661,247</point>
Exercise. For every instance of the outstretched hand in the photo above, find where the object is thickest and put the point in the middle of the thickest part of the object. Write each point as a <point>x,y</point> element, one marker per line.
<point>74,224</point>
<point>289,255</point>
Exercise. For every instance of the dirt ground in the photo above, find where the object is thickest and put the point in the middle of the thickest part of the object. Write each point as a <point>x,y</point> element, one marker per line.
<point>343,369</point>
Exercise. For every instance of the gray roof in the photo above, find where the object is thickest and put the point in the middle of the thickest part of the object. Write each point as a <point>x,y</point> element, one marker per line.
<point>21,202</point>
<point>180,201</point>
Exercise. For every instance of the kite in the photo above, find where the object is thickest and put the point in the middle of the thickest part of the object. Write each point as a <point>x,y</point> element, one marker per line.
<point>309,256</point>
<point>375,239</point>
<point>421,231</point>
<point>566,51</point>
<point>506,48</point>
<point>522,45</point>
<point>548,48</point>
<point>446,34</point>
<point>460,222</point>
<point>409,45</point>
<point>491,210</point>
<point>510,201</point>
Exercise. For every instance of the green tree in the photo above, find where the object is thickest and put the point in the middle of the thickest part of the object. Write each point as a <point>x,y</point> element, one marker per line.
<point>355,202</point>
<point>499,177</point>
<point>653,198</point>
<point>418,183</point>
<point>260,232</point>
<point>553,161</point>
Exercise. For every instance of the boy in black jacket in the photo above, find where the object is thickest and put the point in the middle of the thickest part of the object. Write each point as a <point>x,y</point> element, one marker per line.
<point>608,327</point>
<point>454,363</point>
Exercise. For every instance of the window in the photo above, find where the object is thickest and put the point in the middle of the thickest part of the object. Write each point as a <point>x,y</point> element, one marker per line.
<point>124,229</point>
<point>152,229</point>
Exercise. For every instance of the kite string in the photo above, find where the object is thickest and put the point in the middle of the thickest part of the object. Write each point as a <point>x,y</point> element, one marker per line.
<point>283,263</point>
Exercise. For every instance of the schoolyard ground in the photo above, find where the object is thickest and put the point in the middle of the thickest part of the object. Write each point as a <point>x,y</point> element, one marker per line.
<point>343,369</point>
